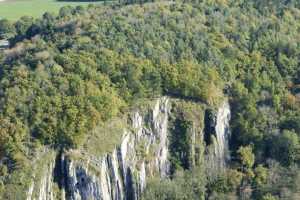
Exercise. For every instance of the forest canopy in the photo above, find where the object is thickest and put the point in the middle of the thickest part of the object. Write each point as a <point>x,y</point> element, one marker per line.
<point>66,74</point>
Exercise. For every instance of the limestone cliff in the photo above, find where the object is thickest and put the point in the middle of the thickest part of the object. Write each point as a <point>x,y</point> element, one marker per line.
<point>218,150</point>
<point>122,174</point>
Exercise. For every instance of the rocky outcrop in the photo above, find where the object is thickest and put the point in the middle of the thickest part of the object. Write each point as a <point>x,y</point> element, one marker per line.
<point>143,152</point>
<point>218,149</point>
<point>122,174</point>
<point>222,134</point>
<point>41,187</point>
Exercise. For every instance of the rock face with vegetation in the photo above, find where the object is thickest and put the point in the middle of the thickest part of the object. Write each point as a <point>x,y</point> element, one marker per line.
<point>143,152</point>
<point>42,182</point>
<point>219,138</point>
<point>122,174</point>
<point>75,90</point>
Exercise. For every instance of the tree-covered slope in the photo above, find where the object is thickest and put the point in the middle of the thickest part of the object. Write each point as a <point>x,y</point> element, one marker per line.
<point>65,75</point>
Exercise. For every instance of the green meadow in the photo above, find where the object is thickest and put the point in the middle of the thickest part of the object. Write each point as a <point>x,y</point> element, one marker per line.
<point>14,9</point>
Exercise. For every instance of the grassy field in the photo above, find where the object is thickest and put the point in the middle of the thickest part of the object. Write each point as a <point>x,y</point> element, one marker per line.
<point>14,9</point>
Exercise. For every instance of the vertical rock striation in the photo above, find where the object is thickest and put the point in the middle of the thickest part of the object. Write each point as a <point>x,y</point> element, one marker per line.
<point>41,187</point>
<point>142,153</point>
<point>218,150</point>
<point>222,134</point>
<point>122,174</point>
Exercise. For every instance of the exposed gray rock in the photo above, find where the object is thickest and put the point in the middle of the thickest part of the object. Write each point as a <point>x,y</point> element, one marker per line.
<point>218,150</point>
<point>122,174</point>
<point>42,189</point>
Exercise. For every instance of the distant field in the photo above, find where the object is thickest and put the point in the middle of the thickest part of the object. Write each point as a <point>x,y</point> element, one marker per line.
<point>14,9</point>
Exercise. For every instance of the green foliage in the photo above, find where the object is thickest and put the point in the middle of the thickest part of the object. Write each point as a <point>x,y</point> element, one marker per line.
<point>205,86</point>
<point>180,144</point>
<point>6,29</point>
<point>286,147</point>
<point>105,137</point>
<point>185,138</point>
<point>261,175</point>
<point>246,156</point>
<point>225,185</point>
<point>66,75</point>
<point>185,185</point>
<point>269,197</point>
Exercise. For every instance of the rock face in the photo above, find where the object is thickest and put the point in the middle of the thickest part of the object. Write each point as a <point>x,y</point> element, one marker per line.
<point>122,174</point>
<point>218,151</point>
<point>222,134</point>
<point>142,153</point>
<point>42,188</point>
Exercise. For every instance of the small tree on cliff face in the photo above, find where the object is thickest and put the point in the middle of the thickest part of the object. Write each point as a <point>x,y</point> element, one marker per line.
<point>269,197</point>
<point>246,157</point>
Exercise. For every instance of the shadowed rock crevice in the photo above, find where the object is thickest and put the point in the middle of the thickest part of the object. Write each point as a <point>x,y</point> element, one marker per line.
<point>158,142</point>
<point>216,136</point>
<point>209,125</point>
